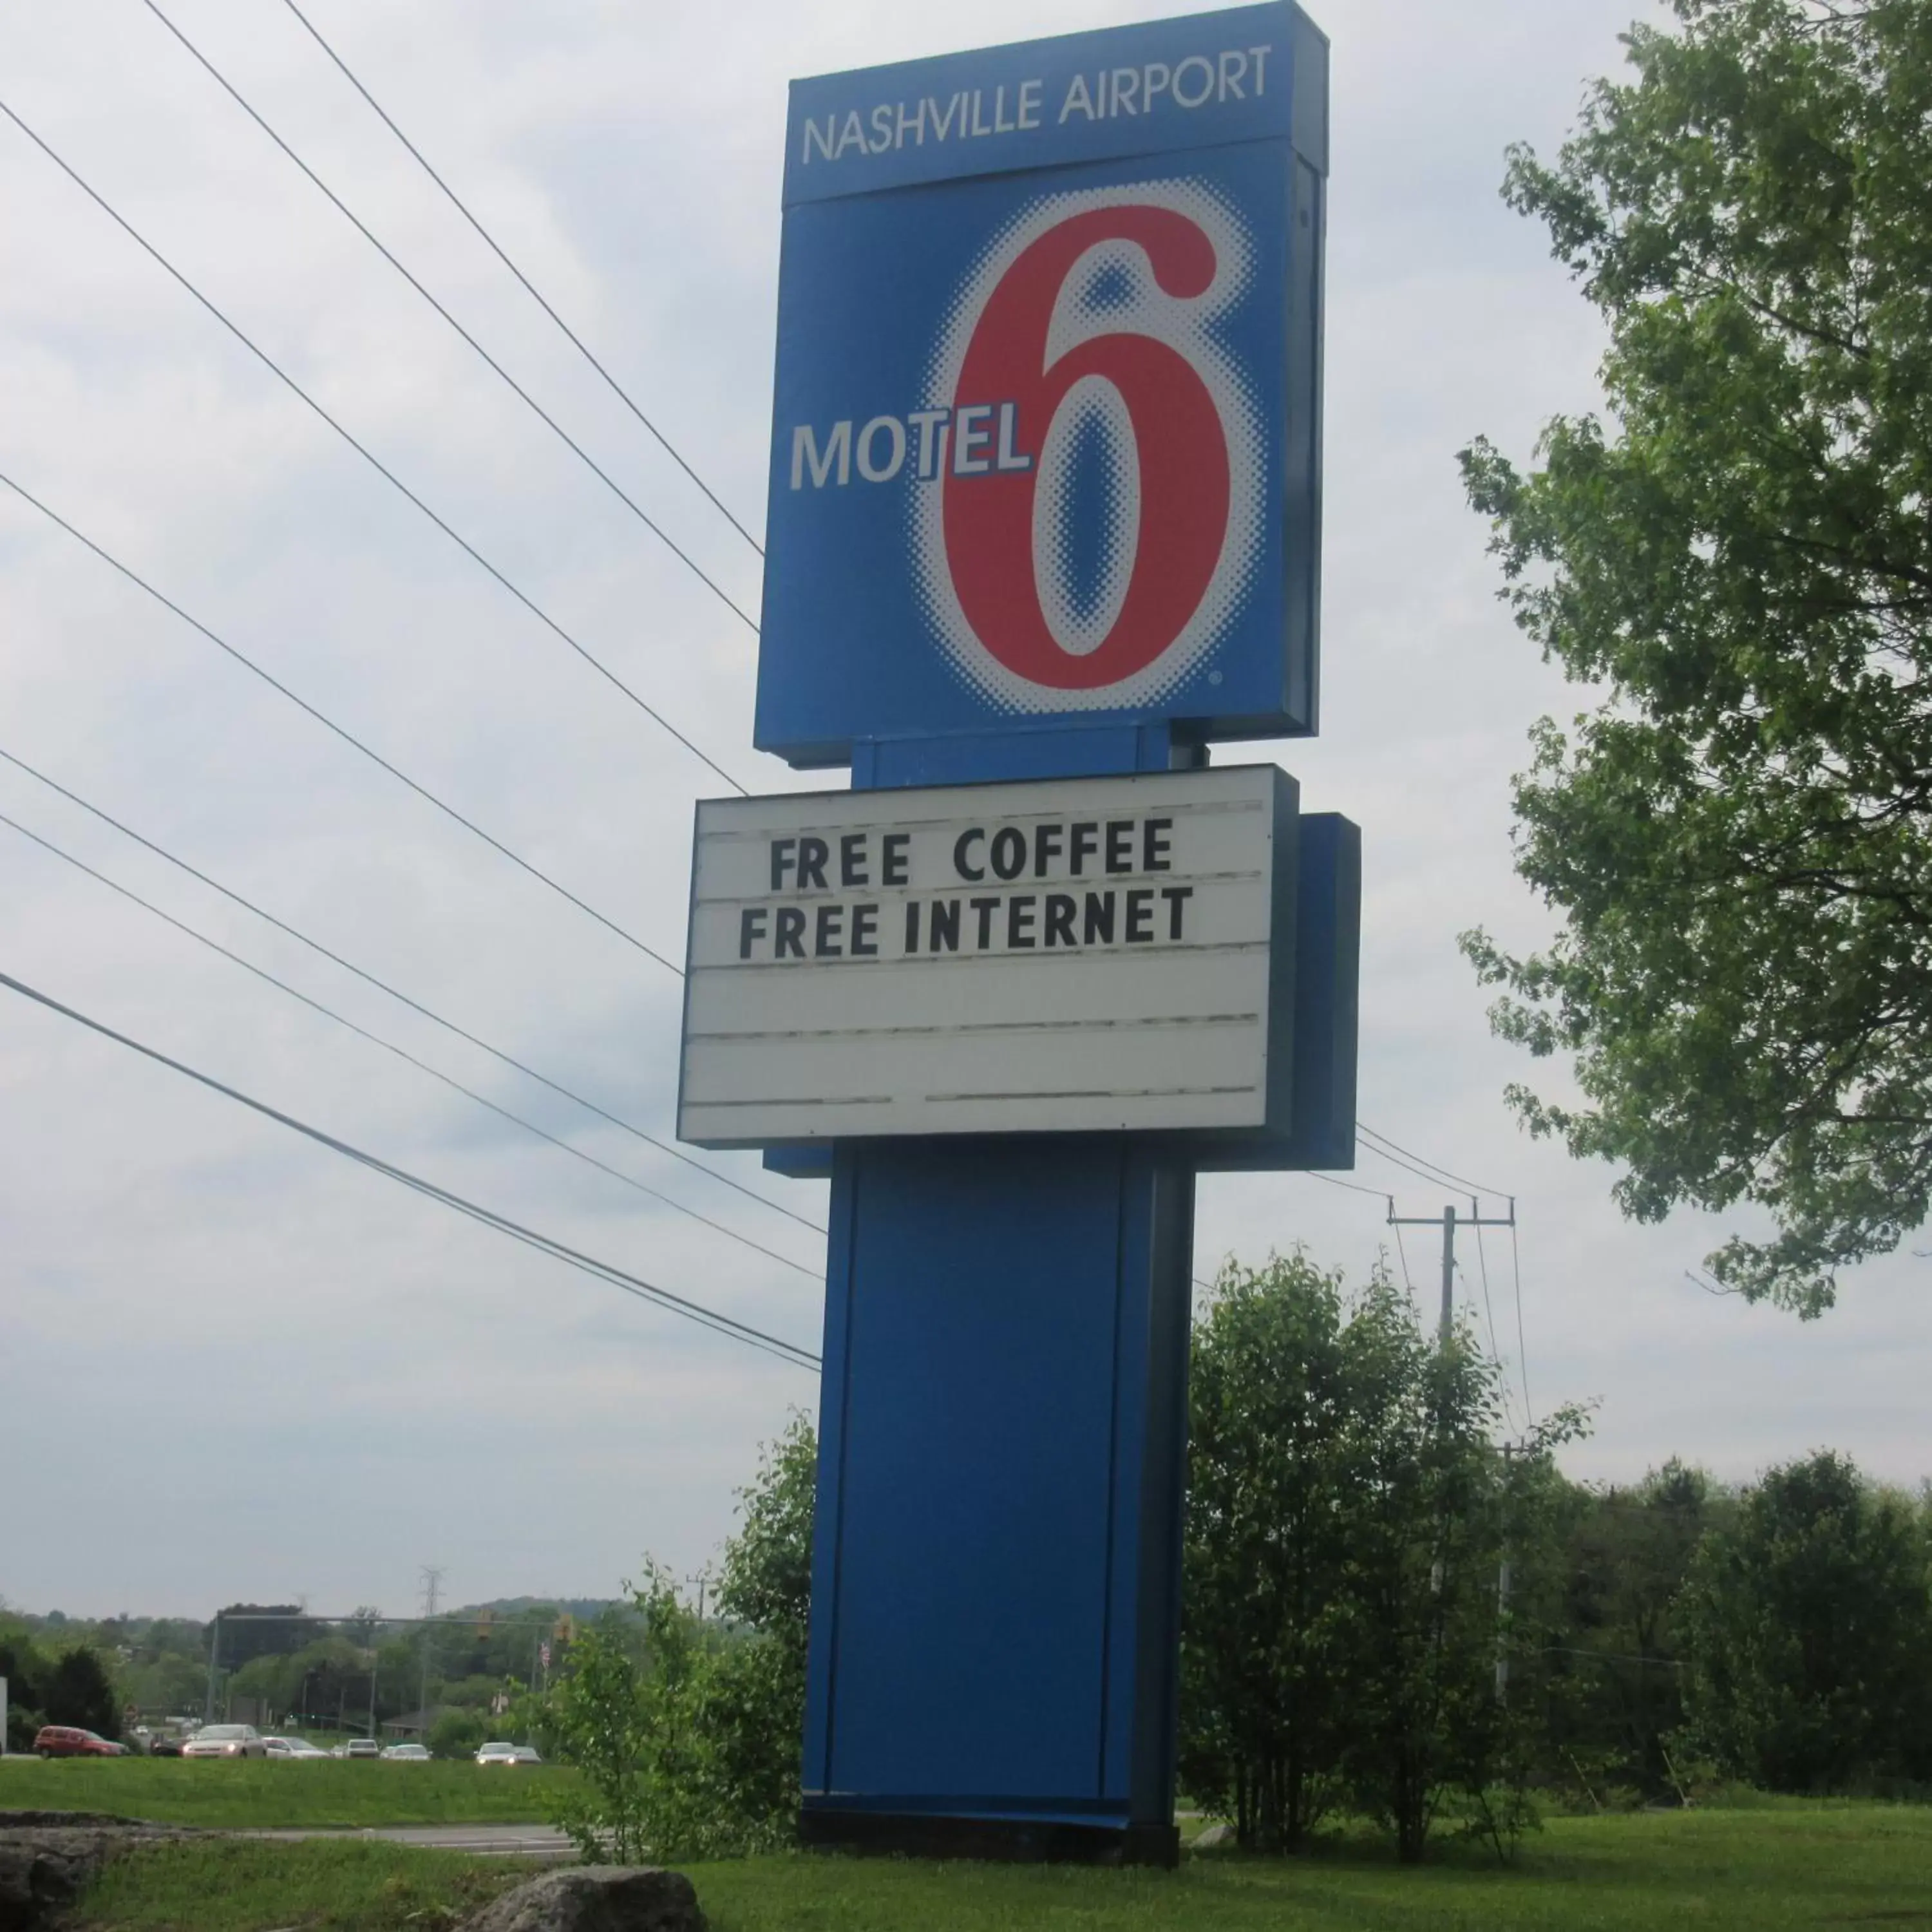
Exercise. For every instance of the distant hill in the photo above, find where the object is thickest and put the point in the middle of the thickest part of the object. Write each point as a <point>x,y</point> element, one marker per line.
<point>584,1609</point>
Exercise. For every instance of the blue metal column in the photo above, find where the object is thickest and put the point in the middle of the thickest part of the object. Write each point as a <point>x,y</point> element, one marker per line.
<point>996,1572</point>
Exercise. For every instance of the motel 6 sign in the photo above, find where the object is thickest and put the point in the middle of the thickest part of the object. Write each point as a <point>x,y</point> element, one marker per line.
<point>1046,442</point>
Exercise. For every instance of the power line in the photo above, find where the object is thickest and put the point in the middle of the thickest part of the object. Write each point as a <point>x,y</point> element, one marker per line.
<point>1521,1350</point>
<point>1407,1167</point>
<point>1442,1173</point>
<point>1403,1251</point>
<point>1495,1352</point>
<point>489,241</point>
<point>402,1053</point>
<point>347,737</point>
<point>1489,1316</point>
<point>644,1290</point>
<point>394,993</point>
<point>368,456</point>
<point>1353,1186</point>
<point>361,228</point>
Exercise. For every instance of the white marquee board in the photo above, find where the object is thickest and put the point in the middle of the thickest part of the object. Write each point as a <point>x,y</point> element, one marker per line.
<point>1044,956</point>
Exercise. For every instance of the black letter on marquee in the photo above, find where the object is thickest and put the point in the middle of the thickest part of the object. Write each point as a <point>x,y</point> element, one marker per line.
<point>781,858</point>
<point>1060,907</point>
<point>1140,915</point>
<point>865,928</point>
<point>1175,896</point>
<point>1008,852</point>
<point>945,926</point>
<point>852,859</point>
<point>789,943</point>
<point>1086,843</point>
<point>812,854</point>
<point>1019,929</point>
<point>751,926</point>
<point>959,846</point>
<point>1100,917</point>
<point>912,926</point>
<point>825,939</point>
<point>1154,844</point>
<point>986,908</point>
<point>893,864</point>
<point>1120,845</point>
<point>1045,846</point>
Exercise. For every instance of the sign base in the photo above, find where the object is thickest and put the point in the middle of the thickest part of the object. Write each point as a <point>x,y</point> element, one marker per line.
<point>998,1840</point>
<point>995,1591</point>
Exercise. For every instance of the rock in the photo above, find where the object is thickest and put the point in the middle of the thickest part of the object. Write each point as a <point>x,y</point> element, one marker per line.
<point>596,1898</point>
<point>46,1859</point>
<point>1214,1837</point>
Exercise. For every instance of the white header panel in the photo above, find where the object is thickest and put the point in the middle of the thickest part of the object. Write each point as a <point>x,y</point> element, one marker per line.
<point>1050,956</point>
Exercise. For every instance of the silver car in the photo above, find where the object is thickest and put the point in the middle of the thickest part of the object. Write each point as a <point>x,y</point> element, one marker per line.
<point>226,1740</point>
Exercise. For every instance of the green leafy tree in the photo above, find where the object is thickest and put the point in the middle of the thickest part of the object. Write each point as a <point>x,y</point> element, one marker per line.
<point>399,1684</point>
<point>24,1667</point>
<point>767,1575</point>
<point>79,1689</point>
<point>1614,1683</point>
<point>1738,838</point>
<point>1348,1520</point>
<point>1808,1623</point>
<point>688,1733</point>
<point>246,1631</point>
<point>754,1693</point>
<point>1274,1456</point>
<point>456,1734</point>
<point>363,1627</point>
<point>168,1684</point>
<point>1434,1730</point>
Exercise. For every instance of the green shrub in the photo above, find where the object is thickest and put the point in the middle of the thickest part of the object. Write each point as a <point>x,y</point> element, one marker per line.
<point>456,1734</point>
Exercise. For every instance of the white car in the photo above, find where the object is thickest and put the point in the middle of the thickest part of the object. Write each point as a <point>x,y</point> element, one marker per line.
<point>506,1753</point>
<point>358,1747</point>
<point>226,1740</point>
<point>409,1753</point>
<point>295,1748</point>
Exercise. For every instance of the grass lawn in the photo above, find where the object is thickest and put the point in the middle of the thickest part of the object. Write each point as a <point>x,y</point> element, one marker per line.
<point>1756,1871</point>
<point>267,1792</point>
<point>236,1885</point>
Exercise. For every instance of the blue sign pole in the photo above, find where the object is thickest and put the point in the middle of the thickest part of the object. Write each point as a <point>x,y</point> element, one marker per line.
<point>1044,504</point>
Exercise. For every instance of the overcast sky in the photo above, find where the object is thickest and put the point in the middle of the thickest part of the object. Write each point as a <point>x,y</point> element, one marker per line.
<point>232,1365</point>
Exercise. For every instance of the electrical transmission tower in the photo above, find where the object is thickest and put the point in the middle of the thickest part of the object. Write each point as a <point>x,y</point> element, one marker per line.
<point>432,1582</point>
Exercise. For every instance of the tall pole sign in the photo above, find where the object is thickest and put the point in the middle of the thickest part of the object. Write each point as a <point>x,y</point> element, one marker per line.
<point>1044,524</point>
<point>1046,439</point>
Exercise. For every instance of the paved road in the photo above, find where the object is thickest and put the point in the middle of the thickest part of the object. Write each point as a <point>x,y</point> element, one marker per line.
<point>525,1841</point>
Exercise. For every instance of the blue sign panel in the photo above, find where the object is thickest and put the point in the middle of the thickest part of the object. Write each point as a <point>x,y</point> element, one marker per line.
<point>1046,445</point>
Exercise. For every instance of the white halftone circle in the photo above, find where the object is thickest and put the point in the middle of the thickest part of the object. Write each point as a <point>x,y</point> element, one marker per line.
<point>1110,290</point>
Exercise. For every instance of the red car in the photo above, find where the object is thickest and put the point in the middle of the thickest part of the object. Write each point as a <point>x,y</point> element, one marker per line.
<point>64,1741</point>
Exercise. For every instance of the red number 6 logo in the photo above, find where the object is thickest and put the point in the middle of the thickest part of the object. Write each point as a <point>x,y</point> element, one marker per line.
<point>1181,450</point>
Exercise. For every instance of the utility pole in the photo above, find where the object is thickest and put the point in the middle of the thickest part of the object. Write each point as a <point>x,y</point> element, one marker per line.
<point>1445,1328</point>
<point>1449,1222</point>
